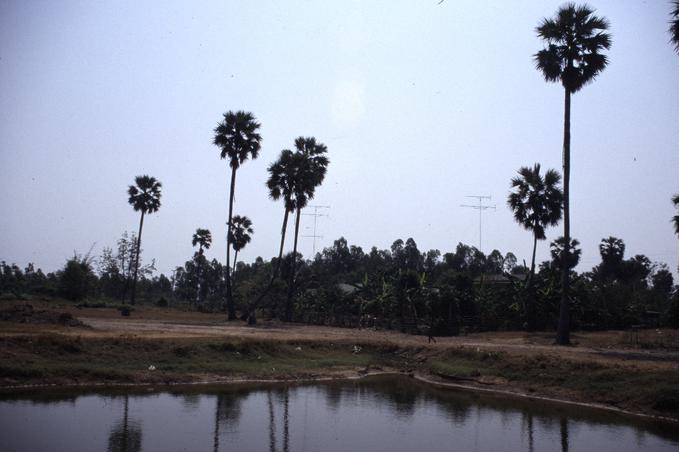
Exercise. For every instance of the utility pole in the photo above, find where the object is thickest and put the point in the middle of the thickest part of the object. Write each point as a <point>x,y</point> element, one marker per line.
<point>316,214</point>
<point>480,207</point>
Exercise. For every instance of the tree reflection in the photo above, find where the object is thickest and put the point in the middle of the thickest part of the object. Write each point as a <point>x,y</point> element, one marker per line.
<point>564,434</point>
<point>125,436</point>
<point>227,413</point>
<point>284,398</point>
<point>528,423</point>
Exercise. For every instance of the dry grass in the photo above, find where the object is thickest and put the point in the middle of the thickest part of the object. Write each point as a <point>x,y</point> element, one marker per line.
<point>605,367</point>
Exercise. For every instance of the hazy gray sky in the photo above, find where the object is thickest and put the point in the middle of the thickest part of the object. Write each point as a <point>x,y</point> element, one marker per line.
<point>419,104</point>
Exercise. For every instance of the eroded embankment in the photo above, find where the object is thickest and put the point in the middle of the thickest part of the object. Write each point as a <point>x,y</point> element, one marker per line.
<point>53,358</point>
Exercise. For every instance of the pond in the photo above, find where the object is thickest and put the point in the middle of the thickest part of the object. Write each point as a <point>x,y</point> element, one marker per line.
<point>373,414</point>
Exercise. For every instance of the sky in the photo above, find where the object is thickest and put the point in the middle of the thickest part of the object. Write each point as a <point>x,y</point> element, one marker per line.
<point>420,104</point>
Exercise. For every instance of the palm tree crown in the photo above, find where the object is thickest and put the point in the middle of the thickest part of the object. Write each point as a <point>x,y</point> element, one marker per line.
<point>236,135</point>
<point>313,167</point>
<point>574,40</point>
<point>241,232</point>
<point>145,195</point>
<point>674,26</point>
<point>557,248</point>
<point>283,178</point>
<point>675,219</point>
<point>202,238</point>
<point>536,201</point>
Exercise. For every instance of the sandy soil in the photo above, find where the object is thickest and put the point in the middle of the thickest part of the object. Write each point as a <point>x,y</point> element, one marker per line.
<point>645,349</point>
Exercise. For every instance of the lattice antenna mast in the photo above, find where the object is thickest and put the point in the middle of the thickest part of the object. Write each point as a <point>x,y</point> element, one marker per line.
<point>480,207</point>
<point>316,214</point>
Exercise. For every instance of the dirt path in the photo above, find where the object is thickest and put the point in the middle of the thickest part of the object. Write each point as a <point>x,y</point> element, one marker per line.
<point>514,343</point>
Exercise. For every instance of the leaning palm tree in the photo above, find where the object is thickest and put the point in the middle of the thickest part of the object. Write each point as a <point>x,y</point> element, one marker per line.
<point>313,166</point>
<point>238,140</point>
<point>202,238</point>
<point>144,198</point>
<point>574,40</point>
<point>536,203</point>
<point>241,234</point>
<point>675,219</point>
<point>674,26</point>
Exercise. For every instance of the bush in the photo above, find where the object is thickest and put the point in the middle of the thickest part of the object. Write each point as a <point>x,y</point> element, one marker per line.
<point>75,279</point>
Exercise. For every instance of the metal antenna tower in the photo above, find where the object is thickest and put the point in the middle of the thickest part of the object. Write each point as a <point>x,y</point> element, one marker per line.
<point>316,215</point>
<point>480,207</point>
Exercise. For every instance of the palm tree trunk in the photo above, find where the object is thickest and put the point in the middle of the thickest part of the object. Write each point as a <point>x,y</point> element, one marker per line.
<point>126,275</point>
<point>251,314</point>
<point>229,296</point>
<point>291,278</point>
<point>532,263</point>
<point>136,260</point>
<point>529,299</point>
<point>563,331</point>
<point>280,249</point>
<point>235,259</point>
<point>198,271</point>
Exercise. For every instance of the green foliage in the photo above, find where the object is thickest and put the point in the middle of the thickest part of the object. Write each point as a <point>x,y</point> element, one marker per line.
<point>75,280</point>
<point>397,288</point>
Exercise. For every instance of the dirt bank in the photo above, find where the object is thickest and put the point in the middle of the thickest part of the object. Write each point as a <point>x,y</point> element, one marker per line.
<point>160,346</point>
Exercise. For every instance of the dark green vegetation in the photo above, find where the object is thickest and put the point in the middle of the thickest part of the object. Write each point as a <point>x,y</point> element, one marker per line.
<point>401,288</point>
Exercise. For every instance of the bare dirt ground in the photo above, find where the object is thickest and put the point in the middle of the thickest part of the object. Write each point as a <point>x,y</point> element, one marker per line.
<point>656,349</point>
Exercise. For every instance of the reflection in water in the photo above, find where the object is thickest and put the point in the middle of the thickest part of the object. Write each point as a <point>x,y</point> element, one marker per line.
<point>284,398</point>
<point>272,425</point>
<point>564,434</point>
<point>395,414</point>
<point>125,436</point>
<point>227,413</point>
<point>286,421</point>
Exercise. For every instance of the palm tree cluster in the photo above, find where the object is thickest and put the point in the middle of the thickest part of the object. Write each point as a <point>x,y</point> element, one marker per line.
<point>238,140</point>
<point>293,178</point>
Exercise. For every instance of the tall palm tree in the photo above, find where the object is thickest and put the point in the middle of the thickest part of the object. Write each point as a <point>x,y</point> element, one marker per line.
<point>675,219</point>
<point>674,26</point>
<point>536,203</point>
<point>236,135</point>
<point>202,238</point>
<point>281,185</point>
<point>241,234</point>
<point>313,166</point>
<point>144,198</point>
<point>574,40</point>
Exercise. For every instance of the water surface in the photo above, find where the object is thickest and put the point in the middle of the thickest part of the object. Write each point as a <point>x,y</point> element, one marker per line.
<point>376,414</point>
